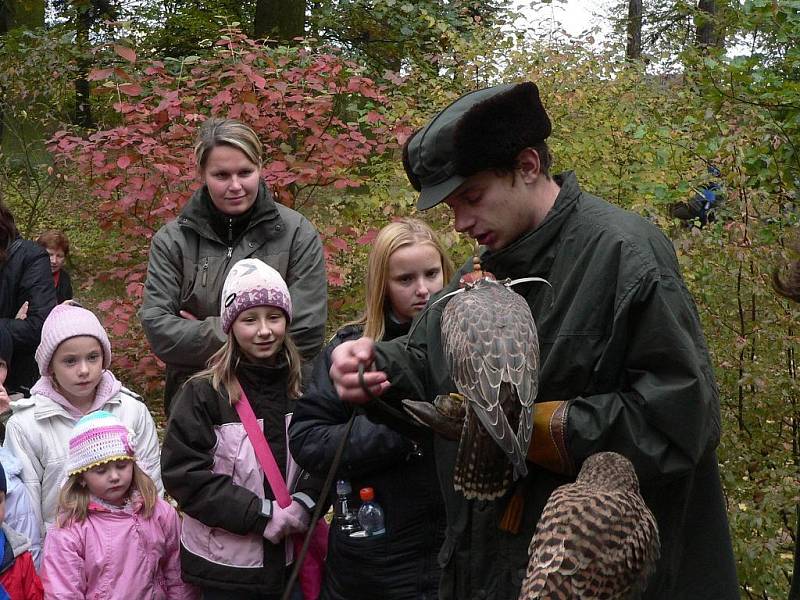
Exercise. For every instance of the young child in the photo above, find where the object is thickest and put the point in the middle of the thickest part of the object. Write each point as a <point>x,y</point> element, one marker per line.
<point>18,578</point>
<point>407,265</point>
<point>114,538</point>
<point>234,537</point>
<point>57,246</point>
<point>73,357</point>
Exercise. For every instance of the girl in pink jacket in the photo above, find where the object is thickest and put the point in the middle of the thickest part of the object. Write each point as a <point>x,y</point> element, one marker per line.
<point>114,537</point>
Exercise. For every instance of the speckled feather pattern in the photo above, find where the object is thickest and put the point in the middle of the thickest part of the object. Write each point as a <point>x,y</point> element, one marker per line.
<point>596,538</point>
<point>492,350</point>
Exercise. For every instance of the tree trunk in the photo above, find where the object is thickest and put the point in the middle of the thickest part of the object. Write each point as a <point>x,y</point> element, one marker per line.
<point>633,49</point>
<point>21,13</point>
<point>279,20</point>
<point>14,14</point>
<point>794,592</point>
<point>83,106</point>
<point>708,33</point>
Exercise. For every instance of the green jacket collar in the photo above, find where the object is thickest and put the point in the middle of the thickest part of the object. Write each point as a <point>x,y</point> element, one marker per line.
<point>533,252</point>
<point>197,215</point>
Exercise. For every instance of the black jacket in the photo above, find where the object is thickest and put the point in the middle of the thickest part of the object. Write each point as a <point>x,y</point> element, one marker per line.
<point>621,341</point>
<point>63,287</point>
<point>401,565</point>
<point>25,276</point>
<point>206,462</point>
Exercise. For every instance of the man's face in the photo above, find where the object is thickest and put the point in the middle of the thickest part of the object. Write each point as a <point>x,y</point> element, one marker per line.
<point>494,208</point>
<point>3,371</point>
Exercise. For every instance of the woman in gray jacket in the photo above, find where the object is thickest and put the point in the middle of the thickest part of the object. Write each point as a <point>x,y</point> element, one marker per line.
<point>231,217</point>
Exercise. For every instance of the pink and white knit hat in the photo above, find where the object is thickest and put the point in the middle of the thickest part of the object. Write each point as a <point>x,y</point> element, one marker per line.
<point>98,438</point>
<point>66,321</point>
<point>250,283</point>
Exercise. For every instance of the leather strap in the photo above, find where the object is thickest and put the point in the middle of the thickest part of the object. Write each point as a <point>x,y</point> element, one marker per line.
<point>263,453</point>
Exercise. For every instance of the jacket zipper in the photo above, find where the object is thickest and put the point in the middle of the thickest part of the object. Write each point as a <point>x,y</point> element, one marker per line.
<point>230,237</point>
<point>205,272</point>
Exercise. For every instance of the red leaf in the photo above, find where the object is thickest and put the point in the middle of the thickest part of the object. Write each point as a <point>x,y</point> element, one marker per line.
<point>127,53</point>
<point>124,161</point>
<point>339,243</point>
<point>259,82</point>
<point>97,74</point>
<point>131,89</point>
<point>368,237</point>
<point>119,328</point>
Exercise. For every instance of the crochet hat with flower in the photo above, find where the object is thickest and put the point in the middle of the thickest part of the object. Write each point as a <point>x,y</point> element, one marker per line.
<point>250,283</point>
<point>98,438</point>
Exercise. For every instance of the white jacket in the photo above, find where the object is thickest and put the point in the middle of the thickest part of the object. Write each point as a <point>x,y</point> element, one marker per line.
<point>38,434</point>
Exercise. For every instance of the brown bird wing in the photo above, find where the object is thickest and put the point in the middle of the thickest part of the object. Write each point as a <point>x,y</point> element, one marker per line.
<point>489,340</point>
<point>591,544</point>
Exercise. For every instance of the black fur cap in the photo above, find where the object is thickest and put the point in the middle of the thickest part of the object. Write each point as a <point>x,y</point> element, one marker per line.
<point>492,133</point>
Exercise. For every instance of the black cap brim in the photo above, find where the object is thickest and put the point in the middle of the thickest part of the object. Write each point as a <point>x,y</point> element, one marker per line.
<point>432,195</point>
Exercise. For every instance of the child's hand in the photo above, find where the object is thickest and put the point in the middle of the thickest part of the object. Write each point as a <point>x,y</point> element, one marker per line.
<point>4,400</point>
<point>284,521</point>
<point>22,313</point>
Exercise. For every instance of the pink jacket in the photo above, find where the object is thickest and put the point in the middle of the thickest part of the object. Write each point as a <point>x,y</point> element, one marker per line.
<point>116,555</point>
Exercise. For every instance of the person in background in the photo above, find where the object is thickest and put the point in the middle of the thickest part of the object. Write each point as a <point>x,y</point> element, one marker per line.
<point>27,296</point>
<point>407,265</point>
<point>18,578</point>
<point>18,508</point>
<point>56,244</point>
<point>235,534</point>
<point>73,356</point>
<point>115,538</point>
<point>6,352</point>
<point>231,217</point>
<point>20,515</point>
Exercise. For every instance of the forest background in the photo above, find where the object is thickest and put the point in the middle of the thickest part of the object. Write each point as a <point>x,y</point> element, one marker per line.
<point>100,101</point>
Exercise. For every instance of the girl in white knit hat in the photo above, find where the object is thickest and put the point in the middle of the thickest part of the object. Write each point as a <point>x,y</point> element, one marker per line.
<point>73,358</point>
<point>236,535</point>
<point>115,538</point>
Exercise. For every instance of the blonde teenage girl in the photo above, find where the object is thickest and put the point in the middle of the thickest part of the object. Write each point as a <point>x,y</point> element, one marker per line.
<point>407,265</point>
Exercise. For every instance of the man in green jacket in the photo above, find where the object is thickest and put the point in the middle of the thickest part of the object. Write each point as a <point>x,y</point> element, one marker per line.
<point>624,364</point>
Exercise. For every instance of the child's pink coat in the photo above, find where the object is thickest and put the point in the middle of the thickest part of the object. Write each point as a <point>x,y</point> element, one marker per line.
<point>116,555</point>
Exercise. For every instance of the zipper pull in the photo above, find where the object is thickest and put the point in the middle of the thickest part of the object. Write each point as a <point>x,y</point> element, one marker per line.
<point>230,251</point>
<point>205,272</point>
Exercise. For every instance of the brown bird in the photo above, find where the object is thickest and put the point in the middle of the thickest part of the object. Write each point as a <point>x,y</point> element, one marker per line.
<point>596,539</point>
<point>492,352</point>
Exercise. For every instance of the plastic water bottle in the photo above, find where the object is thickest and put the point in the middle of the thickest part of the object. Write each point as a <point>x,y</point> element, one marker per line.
<point>370,515</point>
<point>345,511</point>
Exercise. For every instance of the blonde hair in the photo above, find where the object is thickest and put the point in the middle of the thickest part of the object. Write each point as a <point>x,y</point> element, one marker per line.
<point>227,132</point>
<point>396,235</point>
<point>221,368</point>
<point>73,501</point>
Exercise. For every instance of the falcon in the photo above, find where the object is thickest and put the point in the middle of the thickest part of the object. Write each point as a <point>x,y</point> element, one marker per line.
<point>596,538</point>
<point>492,353</point>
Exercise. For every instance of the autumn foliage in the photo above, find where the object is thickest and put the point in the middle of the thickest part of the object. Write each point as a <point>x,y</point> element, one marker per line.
<point>322,123</point>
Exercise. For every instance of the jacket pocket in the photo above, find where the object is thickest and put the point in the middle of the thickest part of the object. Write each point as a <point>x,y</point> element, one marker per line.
<point>234,456</point>
<point>222,547</point>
